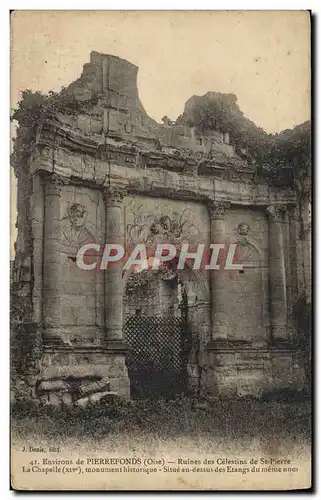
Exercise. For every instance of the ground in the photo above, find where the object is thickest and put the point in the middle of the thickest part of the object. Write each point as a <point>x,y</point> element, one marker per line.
<point>149,425</point>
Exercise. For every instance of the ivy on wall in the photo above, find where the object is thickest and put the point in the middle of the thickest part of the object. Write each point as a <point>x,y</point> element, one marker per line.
<point>220,112</point>
<point>35,105</point>
<point>34,108</point>
<point>148,276</point>
<point>290,149</point>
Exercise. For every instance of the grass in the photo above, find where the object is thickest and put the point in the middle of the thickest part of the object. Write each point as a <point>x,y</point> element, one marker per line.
<point>158,422</point>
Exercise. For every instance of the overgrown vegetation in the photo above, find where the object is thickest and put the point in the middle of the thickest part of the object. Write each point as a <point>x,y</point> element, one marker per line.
<point>213,111</point>
<point>163,419</point>
<point>216,111</point>
<point>147,276</point>
<point>34,108</point>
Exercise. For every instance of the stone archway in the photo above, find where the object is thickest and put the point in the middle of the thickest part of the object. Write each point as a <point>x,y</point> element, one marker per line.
<point>167,325</point>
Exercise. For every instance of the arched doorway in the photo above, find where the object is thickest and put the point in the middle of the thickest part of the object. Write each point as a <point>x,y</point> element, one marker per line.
<point>157,334</point>
<point>166,326</point>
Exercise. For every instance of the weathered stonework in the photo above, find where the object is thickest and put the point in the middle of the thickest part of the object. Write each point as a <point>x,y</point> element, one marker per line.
<point>112,174</point>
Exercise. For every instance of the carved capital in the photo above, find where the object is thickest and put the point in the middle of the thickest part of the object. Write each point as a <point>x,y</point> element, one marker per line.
<point>218,209</point>
<point>114,196</point>
<point>305,220</point>
<point>276,212</point>
<point>54,183</point>
<point>293,211</point>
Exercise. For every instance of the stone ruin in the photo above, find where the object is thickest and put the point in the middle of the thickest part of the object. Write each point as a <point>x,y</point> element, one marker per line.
<point>105,171</point>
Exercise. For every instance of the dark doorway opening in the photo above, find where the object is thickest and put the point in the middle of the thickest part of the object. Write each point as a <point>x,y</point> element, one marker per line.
<point>158,336</point>
<point>156,359</point>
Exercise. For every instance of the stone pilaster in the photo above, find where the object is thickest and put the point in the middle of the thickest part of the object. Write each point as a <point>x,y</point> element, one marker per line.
<point>306,245</point>
<point>113,274</point>
<point>219,316</point>
<point>294,250</point>
<point>277,282</point>
<point>52,256</point>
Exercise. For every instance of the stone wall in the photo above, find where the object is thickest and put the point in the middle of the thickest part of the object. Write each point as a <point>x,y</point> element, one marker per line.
<point>82,292</point>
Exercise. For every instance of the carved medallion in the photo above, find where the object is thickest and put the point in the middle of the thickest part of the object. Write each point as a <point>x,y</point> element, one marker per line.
<point>246,251</point>
<point>74,231</point>
<point>154,229</point>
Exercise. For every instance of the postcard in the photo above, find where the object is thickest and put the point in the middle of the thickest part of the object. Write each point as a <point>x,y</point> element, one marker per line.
<point>161,250</point>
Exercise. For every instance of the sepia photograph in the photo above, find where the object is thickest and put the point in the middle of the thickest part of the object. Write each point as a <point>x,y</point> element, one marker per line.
<point>160,259</point>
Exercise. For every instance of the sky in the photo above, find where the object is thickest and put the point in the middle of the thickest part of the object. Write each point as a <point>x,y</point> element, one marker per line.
<point>261,56</point>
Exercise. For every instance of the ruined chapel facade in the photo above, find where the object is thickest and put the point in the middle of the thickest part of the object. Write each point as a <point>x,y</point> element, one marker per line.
<point>108,172</point>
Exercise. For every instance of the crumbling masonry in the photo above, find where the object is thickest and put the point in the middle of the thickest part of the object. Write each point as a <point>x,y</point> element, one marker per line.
<point>106,171</point>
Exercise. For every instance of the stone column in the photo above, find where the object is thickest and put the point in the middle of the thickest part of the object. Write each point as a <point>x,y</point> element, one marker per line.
<point>219,301</point>
<point>294,251</point>
<point>52,256</point>
<point>113,274</point>
<point>277,282</point>
<point>306,245</point>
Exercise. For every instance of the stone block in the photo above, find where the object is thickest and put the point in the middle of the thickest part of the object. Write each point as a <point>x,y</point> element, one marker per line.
<point>54,399</point>
<point>94,387</point>
<point>95,398</point>
<point>282,371</point>
<point>53,386</point>
<point>82,402</point>
<point>104,396</point>
<point>67,399</point>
